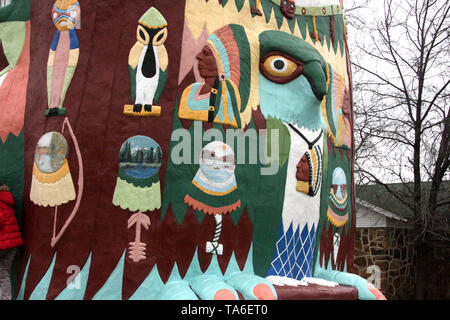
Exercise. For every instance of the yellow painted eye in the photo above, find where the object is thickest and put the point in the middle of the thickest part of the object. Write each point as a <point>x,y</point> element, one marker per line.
<point>279,67</point>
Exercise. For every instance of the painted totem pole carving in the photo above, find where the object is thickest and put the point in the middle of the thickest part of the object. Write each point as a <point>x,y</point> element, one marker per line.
<point>288,8</point>
<point>255,85</point>
<point>296,73</point>
<point>63,55</point>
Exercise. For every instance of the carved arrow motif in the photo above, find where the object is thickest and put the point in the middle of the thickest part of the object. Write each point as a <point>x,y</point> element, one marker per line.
<point>137,248</point>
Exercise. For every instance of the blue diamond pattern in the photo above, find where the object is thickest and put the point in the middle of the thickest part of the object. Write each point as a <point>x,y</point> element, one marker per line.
<point>293,254</point>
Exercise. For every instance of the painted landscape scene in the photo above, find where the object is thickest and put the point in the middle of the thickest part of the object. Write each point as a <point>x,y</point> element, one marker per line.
<point>140,157</point>
<point>51,151</point>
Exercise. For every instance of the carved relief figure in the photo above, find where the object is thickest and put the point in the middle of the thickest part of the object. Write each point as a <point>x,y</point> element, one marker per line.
<point>147,64</point>
<point>137,188</point>
<point>51,181</point>
<point>63,55</point>
<point>288,8</point>
<point>292,84</point>
<point>222,87</point>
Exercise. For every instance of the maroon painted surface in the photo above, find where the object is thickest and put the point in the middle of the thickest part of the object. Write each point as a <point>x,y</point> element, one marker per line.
<point>94,102</point>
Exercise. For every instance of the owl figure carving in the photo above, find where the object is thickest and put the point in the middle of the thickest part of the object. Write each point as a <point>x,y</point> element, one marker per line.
<point>147,64</point>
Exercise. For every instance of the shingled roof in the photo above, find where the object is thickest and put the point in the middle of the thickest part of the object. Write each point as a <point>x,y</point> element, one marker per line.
<point>378,196</point>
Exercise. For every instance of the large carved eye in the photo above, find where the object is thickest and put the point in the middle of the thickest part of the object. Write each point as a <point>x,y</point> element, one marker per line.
<point>142,35</point>
<point>160,37</point>
<point>279,67</point>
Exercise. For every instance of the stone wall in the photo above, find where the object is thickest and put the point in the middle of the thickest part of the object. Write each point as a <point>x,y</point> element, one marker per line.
<point>390,249</point>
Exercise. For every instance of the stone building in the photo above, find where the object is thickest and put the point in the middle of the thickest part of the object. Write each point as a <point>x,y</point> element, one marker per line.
<point>384,252</point>
<point>384,238</point>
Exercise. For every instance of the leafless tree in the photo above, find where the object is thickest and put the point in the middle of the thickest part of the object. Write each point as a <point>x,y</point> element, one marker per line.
<point>401,67</point>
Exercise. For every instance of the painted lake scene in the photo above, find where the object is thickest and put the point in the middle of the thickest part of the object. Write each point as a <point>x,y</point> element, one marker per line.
<point>140,157</point>
<point>51,151</point>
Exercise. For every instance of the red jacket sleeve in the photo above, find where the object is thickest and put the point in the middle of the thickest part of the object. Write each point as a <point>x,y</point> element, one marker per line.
<point>6,200</point>
<point>2,215</point>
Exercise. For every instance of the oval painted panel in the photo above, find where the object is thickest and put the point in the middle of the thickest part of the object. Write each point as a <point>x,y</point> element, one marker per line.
<point>339,184</point>
<point>51,151</point>
<point>140,157</point>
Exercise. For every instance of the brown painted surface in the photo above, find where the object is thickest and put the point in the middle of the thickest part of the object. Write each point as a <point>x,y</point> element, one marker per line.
<point>317,292</point>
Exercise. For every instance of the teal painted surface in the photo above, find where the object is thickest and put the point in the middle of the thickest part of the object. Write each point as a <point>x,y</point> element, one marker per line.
<point>300,105</point>
<point>80,282</point>
<point>150,288</point>
<point>345,278</point>
<point>112,289</point>
<point>176,288</point>
<point>40,291</point>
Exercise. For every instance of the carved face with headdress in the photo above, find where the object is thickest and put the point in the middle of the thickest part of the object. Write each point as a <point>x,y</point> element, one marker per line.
<point>223,84</point>
<point>207,66</point>
<point>337,111</point>
<point>66,14</point>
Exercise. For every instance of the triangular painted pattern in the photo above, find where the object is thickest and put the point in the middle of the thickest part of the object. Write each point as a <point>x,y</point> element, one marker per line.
<point>294,252</point>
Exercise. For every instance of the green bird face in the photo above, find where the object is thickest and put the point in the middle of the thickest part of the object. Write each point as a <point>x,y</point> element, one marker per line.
<point>293,79</point>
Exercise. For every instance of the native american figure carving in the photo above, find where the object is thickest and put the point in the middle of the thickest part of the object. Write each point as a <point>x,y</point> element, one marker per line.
<point>221,90</point>
<point>63,56</point>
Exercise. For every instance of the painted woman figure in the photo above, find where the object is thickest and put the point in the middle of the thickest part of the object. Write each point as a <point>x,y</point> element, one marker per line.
<point>223,79</point>
<point>63,55</point>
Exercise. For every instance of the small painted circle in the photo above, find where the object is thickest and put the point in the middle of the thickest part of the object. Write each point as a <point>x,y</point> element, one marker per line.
<point>51,151</point>
<point>140,157</point>
<point>217,162</point>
